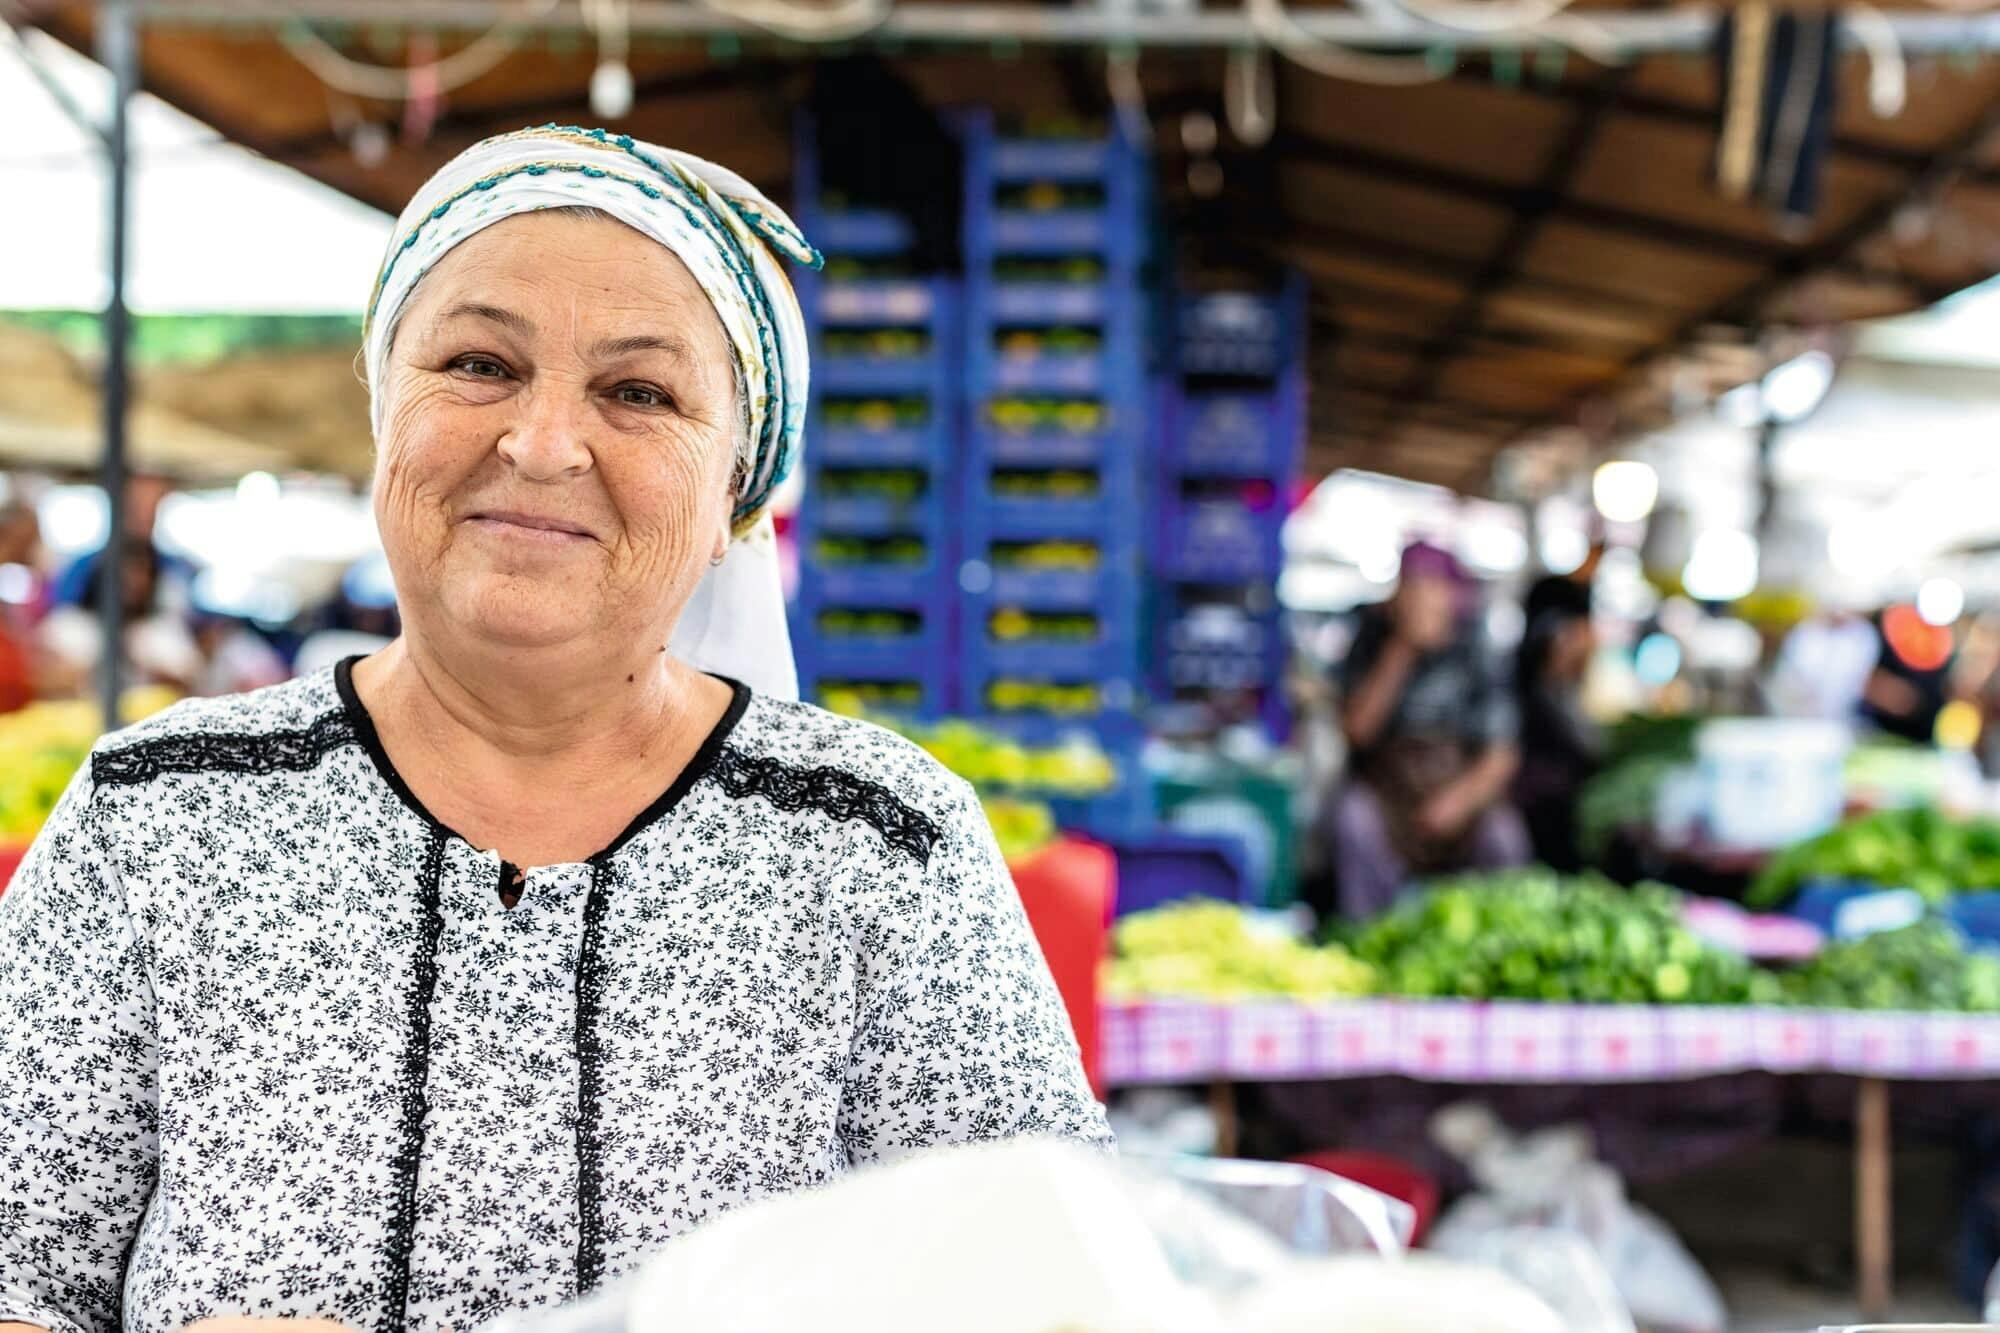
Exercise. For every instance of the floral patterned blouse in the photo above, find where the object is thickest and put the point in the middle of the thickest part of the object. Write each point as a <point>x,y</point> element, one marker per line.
<point>272,1044</point>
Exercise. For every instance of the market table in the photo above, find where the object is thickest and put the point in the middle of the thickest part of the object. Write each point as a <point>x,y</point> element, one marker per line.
<point>1460,1041</point>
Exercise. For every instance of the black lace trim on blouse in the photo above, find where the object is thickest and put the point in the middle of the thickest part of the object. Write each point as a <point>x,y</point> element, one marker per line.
<point>838,793</point>
<point>224,752</point>
<point>589,1081</point>
<point>416,1080</point>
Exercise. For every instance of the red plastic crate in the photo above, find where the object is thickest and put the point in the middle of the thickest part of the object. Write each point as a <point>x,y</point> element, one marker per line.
<point>1069,889</point>
<point>10,859</point>
<point>1389,1175</point>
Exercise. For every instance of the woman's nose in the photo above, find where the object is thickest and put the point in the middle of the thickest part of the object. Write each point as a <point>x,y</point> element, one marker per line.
<point>551,438</point>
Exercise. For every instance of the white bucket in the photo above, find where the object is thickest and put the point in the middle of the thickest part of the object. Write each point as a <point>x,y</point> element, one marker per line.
<point>1772,781</point>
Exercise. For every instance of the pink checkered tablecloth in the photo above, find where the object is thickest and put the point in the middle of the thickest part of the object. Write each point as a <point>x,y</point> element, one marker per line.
<point>1459,1041</point>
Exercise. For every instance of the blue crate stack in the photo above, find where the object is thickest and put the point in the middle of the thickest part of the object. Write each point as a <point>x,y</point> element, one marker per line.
<point>1234,433</point>
<point>1055,324</point>
<point>880,627</point>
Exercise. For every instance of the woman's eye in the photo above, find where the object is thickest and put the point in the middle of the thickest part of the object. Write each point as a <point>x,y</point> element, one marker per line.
<point>640,395</point>
<point>480,367</point>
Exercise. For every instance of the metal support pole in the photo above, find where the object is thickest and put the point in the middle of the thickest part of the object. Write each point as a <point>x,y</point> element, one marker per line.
<point>1633,33</point>
<point>1767,479</point>
<point>118,52</point>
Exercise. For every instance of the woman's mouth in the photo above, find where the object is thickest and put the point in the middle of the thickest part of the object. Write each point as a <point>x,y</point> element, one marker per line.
<point>518,526</point>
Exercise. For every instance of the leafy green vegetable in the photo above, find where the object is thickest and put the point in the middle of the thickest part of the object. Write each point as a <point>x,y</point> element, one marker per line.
<point>1919,849</point>
<point>1534,935</point>
<point>1922,966</point>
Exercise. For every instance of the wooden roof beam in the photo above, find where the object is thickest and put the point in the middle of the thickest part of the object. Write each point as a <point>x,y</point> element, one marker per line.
<point>1301,147</point>
<point>1745,305</point>
<point>1586,123</point>
<point>1652,106</point>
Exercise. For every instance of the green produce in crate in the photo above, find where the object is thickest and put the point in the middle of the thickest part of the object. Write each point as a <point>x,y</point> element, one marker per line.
<point>1076,766</point>
<point>1045,555</point>
<point>1056,484</point>
<point>873,483</point>
<point>1923,966</point>
<point>875,414</point>
<point>1011,623</point>
<point>1652,736</point>
<point>1535,935</point>
<point>1069,416</point>
<point>869,551</point>
<point>1921,849</point>
<point>1022,828</point>
<point>1208,950</point>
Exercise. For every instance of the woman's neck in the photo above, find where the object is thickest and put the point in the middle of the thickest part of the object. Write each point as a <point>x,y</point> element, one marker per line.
<point>543,761</point>
<point>531,708</point>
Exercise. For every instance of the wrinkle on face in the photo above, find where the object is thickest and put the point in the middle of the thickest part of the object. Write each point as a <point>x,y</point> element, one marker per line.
<point>585,317</point>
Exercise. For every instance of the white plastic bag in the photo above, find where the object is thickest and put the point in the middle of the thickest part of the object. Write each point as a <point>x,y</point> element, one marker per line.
<point>1548,1184</point>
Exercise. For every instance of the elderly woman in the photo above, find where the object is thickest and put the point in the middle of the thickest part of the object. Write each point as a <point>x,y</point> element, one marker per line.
<point>458,978</point>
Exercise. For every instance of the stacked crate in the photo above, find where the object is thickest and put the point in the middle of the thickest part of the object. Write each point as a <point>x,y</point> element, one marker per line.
<point>1235,428</point>
<point>1057,415</point>
<point>874,620</point>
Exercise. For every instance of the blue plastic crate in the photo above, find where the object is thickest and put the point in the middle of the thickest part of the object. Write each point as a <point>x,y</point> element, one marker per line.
<point>861,232</point>
<point>875,657</point>
<point>1106,518</point>
<point>1065,160</point>
<point>1850,910</point>
<point>1977,915</point>
<point>1051,302</point>
<point>1056,231</point>
<point>1112,657</point>
<point>1244,334</point>
<point>1233,435</point>
<point>897,587</point>
<point>1081,374</point>
<point>928,446</point>
<point>1217,540</point>
<point>1102,589</point>
<point>1163,866</point>
<point>887,376</point>
<point>1049,449</point>
<point>903,303</point>
<point>871,516</point>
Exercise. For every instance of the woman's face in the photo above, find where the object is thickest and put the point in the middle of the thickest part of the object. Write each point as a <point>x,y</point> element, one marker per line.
<point>557,441</point>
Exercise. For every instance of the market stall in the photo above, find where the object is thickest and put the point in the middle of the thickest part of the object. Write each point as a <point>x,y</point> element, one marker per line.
<point>1443,989</point>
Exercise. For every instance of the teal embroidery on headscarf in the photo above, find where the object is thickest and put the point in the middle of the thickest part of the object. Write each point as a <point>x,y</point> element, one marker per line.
<point>487,183</point>
<point>777,438</point>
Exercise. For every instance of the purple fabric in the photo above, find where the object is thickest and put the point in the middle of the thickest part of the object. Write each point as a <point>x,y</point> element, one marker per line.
<point>1373,875</point>
<point>1423,560</point>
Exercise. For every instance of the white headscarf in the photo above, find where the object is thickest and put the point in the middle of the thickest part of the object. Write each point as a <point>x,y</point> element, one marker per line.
<point>726,233</point>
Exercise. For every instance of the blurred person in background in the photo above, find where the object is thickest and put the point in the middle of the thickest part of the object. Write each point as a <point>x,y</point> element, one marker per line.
<point>235,657</point>
<point>1561,747</point>
<point>1824,666</point>
<point>1911,682</point>
<point>361,618</point>
<point>143,496</point>
<point>21,594</point>
<point>160,645</point>
<point>1431,728</point>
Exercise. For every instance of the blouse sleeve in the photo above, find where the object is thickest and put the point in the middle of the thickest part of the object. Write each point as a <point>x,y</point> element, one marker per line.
<point>78,1141</point>
<point>963,1037</point>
